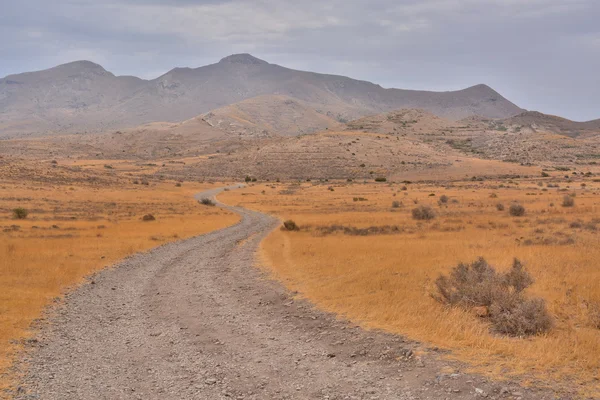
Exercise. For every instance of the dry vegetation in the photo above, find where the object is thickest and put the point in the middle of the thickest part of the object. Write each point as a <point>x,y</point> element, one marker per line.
<point>79,220</point>
<point>370,261</point>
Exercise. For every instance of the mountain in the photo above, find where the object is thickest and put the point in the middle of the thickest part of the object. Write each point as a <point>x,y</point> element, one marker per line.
<point>83,97</point>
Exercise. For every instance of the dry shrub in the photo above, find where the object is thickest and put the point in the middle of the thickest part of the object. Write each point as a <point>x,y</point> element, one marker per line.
<point>396,204</point>
<point>444,199</point>
<point>207,202</point>
<point>500,207</point>
<point>20,213</point>
<point>521,318</point>
<point>479,286</point>
<point>568,201</point>
<point>354,231</point>
<point>290,225</point>
<point>594,315</point>
<point>148,217</point>
<point>516,210</point>
<point>423,213</point>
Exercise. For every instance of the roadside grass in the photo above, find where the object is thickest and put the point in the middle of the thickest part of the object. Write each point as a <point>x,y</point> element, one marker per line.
<point>75,229</point>
<point>386,281</point>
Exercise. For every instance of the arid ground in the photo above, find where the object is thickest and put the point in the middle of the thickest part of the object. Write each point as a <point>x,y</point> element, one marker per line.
<point>82,217</point>
<point>367,243</point>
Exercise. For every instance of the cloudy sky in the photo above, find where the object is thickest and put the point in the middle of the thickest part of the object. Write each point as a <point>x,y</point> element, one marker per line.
<point>541,54</point>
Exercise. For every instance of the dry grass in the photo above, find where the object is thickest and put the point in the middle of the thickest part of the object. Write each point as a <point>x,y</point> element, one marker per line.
<point>75,229</point>
<point>386,281</point>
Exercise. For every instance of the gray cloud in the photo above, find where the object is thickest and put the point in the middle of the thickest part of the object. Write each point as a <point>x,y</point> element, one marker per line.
<point>542,54</point>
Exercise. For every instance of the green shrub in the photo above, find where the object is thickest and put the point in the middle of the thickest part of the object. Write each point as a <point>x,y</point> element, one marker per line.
<point>380,179</point>
<point>395,204</point>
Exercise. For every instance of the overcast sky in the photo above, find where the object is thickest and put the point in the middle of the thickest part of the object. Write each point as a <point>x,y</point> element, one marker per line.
<point>542,54</point>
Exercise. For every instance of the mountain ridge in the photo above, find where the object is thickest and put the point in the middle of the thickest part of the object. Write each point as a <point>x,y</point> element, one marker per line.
<point>82,96</point>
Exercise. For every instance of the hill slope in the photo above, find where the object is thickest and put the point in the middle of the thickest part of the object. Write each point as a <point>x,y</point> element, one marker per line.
<point>83,96</point>
<point>538,121</point>
<point>270,114</point>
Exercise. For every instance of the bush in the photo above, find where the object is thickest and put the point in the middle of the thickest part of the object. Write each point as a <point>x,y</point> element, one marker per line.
<point>290,225</point>
<point>395,204</point>
<point>207,202</point>
<point>444,199</point>
<point>423,213</point>
<point>500,207</point>
<point>478,285</point>
<point>380,179</point>
<point>148,217</point>
<point>20,213</point>
<point>516,210</point>
<point>568,201</point>
<point>523,318</point>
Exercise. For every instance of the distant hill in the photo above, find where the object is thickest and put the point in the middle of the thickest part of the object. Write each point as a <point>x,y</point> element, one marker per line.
<point>538,121</point>
<point>400,122</point>
<point>270,115</point>
<point>82,97</point>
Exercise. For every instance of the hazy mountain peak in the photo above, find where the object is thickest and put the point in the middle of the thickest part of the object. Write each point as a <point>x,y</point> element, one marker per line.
<point>82,66</point>
<point>243,58</point>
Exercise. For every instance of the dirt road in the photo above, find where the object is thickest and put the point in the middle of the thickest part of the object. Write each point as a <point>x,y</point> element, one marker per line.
<point>195,320</point>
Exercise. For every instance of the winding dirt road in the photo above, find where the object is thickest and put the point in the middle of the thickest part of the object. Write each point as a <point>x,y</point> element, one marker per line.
<point>195,320</point>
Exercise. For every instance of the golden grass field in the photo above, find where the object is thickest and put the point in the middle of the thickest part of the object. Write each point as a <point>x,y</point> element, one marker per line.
<point>77,226</point>
<point>386,281</point>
